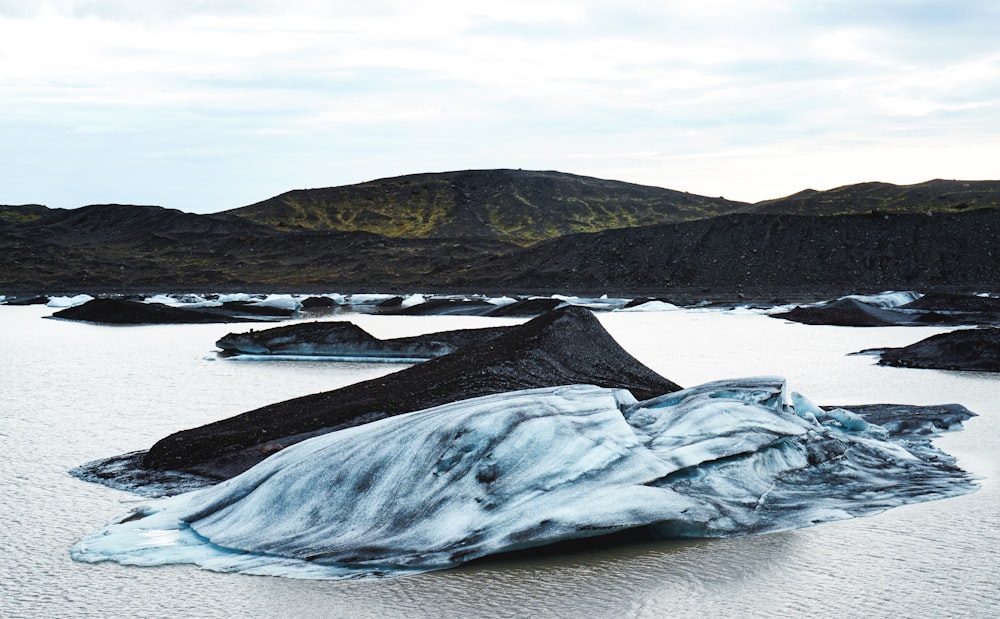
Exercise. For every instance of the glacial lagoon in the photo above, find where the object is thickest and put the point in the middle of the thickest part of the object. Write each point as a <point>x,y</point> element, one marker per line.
<point>78,392</point>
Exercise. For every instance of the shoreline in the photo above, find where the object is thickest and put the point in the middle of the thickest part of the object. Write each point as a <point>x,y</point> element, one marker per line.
<point>680,295</point>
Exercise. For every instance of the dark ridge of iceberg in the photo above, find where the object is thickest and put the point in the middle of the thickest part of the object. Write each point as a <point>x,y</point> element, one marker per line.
<point>439,487</point>
<point>125,312</point>
<point>337,339</point>
<point>440,307</point>
<point>942,302</point>
<point>567,346</point>
<point>904,421</point>
<point>527,307</point>
<point>930,309</point>
<point>849,312</point>
<point>973,350</point>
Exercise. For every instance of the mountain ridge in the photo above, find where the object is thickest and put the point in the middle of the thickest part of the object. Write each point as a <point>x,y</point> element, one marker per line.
<point>514,206</point>
<point>122,248</point>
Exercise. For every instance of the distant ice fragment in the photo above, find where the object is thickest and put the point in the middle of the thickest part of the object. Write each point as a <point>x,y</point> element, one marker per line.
<point>279,301</point>
<point>887,299</point>
<point>435,488</point>
<point>413,299</point>
<point>650,306</point>
<point>62,302</point>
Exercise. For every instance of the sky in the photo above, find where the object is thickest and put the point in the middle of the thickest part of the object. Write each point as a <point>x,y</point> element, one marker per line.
<point>207,105</point>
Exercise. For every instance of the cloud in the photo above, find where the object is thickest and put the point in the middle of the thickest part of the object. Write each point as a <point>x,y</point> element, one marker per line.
<point>187,103</point>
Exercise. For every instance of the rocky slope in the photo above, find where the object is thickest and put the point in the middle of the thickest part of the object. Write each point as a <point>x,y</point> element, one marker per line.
<point>450,232</point>
<point>936,196</point>
<point>755,252</point>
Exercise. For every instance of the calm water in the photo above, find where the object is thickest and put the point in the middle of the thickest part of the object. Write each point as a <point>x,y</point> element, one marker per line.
<point>70,393</point>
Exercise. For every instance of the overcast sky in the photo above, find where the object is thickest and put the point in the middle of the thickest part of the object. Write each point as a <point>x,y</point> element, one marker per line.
<point>205,105</point>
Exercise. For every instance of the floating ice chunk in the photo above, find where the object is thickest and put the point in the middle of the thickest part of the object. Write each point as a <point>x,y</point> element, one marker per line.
<point>279,301</point>
<point>886,299</point>
<point>413,299</point>
<point>236,297</point>
<point>650,306</point>
<point>434,488</point>
<point>188,300</point>
<point>73,301</point>
<point>501,300</point>
<point>368,299</point>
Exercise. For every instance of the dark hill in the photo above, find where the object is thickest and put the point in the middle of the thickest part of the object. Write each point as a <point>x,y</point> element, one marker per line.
<point>764,252</point>
<point>515,206</point>
<point>117,248</point>
<point>937,196</point>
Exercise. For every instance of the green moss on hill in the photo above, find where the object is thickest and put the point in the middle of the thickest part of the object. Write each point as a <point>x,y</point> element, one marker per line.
<point>937,196</point>
<point>514,206</point>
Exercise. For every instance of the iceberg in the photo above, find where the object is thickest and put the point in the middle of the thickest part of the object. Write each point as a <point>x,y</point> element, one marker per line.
<point>438,487</point>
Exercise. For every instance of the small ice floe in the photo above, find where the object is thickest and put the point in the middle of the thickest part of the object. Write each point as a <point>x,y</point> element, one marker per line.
<point>887,299</point>
<point>438,487</point>
<point>73,301</point>
<point>651,306</point>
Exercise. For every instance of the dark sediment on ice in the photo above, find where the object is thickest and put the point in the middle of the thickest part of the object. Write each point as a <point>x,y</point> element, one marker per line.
<point>849,313</point>
<point>345,339</point>
<point>440,307</point>
<point>567,346</point>
<point>907,420</point>
<point>527,307</point>
<point>976,350</point>
<point>932,309</point>
<point>124,312</point>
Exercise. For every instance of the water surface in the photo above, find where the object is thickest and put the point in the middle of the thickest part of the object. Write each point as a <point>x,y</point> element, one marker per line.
<point>71,393</point>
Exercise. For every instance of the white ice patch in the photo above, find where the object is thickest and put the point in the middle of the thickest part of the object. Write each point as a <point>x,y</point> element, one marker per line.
<point>280,301</point>
<point>501,301</point>
<point>650,306</point>
<point>73,301</point>
<point>368,298</point>
<point>886,299</point>
<point>188,301</point>
<point>413,299</point>
<point>435,488</point>
<point>236,297</point>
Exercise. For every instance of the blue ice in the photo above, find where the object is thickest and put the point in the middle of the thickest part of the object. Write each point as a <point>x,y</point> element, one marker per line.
<point>438,487</point>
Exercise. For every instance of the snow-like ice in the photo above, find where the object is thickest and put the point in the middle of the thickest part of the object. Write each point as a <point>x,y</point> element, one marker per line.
<point>279,301</point>
<point>650,306</point>
<point>190,301</point>
<point>435,488</point>
<point>887,299</point>
<point>368,298</point>
<point>413,299</point>
<point>63,302</point>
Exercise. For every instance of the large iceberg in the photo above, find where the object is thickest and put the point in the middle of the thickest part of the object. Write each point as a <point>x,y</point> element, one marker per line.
<point>438,487</point>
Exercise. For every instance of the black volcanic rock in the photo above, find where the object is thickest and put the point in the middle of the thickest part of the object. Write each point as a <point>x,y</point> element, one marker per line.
<point>976,350</point>
<point>756,254</point>
<point>124,312</point>
<point>345,339</point>
<point>934,196</point>
<point>567,346</point>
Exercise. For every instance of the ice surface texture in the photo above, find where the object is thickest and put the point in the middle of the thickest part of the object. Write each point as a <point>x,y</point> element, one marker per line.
<point>435,488</point>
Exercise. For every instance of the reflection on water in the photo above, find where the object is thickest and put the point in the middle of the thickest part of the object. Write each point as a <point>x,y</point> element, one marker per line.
<point>71,393</point>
